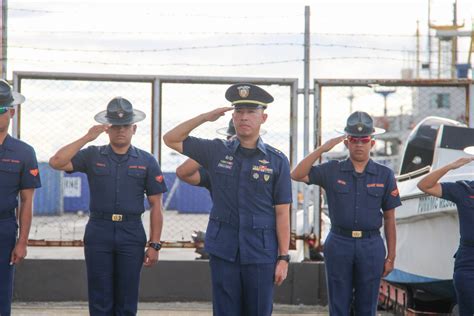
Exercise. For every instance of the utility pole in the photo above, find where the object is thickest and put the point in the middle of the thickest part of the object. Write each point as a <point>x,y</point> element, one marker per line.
<point>307,57</point>
<point>429,39</point>
<point>351,98</point>
<point>385,92</point>
<point>417,49</point>
<point>3,51</point>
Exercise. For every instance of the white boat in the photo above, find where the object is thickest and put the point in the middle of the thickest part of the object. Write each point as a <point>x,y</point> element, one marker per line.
<point>427,227</point>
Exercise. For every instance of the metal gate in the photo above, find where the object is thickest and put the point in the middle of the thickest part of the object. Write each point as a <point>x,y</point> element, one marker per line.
<point>60,107</point>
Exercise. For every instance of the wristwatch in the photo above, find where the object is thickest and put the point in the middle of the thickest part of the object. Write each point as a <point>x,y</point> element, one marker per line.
<point>155,245</point>
<point>284,258</point>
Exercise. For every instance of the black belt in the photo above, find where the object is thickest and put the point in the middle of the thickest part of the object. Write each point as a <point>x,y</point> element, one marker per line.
<point>7,214</point>
<point>115,217</point>
<point>468,243</point>
<point>354,233</point>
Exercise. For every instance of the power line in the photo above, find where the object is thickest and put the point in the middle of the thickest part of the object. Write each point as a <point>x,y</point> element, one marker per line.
<point>186,15</point>
<point>153,50</point>
<point>272,62</point>
<point>212,33</point>
<point>232,45</point>
<point>162,64</point>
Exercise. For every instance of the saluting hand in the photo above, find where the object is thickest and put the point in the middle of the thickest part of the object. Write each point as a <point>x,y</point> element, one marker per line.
<point>327,146</point>
<point>461,162</point>
<point>95,131</point>
<point>281,272</point>
<point>151,257</point>
<point>215,114</point>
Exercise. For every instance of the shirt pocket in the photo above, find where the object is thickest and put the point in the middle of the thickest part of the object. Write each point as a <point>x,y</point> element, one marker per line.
<point>137,173</point>
<point>10,173</point>
<point>224,178</point>
<point>100,171</point>
<point>265,227</point>
<point>374,197</point>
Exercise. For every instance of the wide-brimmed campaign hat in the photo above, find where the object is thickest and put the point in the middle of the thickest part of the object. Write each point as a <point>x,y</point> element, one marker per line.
<point>360,124</point>
<point>247,95</point>
<point>227,131</point>
<point>8,97</point>
<point>119,112</point>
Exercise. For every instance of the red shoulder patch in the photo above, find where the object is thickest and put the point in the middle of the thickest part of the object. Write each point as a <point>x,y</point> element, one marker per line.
<point>394,193</point>
<point>159,178</point>
<point>34,172</point>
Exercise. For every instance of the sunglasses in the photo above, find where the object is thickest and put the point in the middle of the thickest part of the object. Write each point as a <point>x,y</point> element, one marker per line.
<point>3,110</point>
<point>355,140</point>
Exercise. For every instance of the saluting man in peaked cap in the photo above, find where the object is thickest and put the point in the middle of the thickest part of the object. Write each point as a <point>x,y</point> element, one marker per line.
<point>248,233</point>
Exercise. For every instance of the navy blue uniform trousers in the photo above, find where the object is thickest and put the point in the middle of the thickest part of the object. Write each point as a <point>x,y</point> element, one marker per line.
<point>241,289</point>
<point>464,279</point>
<point>8,232</point>
<point>354,268</point>
<point>114,253</point>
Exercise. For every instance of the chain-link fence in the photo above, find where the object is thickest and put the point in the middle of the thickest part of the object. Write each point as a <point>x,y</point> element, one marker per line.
<point>396,106</point>
<point>60,109</point>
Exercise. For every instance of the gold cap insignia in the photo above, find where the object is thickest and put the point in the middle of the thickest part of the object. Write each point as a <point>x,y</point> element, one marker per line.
<point>244,91</point>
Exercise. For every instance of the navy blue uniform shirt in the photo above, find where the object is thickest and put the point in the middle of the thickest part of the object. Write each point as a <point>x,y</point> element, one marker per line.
<point>462,193</point>
<point>118,183</point>
<point>18,171</point>
<point>245,190</point>
<point>355,200</point>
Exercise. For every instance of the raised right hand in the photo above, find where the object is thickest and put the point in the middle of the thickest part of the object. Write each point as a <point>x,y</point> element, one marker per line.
<point>95,131</point>
<point>216,113</point>
<point>327,146</point>
<point>461,162</point>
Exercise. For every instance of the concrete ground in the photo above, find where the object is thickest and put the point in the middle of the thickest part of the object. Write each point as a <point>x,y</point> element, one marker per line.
<point>162,309</point>
<point>148,309</point>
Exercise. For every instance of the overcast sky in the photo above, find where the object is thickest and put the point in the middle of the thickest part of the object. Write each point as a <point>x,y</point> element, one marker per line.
<point>351,39</point>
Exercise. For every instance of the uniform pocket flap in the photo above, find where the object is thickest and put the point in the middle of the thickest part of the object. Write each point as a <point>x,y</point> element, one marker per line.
<point>376,192</point>
<point>10,167</point>
<point>265,222</point>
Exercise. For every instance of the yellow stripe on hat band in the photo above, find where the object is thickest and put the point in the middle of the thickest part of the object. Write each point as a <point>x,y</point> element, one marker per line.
<point>249,101</point>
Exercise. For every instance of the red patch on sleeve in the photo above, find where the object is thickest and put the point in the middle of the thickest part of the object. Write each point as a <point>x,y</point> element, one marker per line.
<point>159,178</point>
<point>394,193</point>
<point>34,172</point>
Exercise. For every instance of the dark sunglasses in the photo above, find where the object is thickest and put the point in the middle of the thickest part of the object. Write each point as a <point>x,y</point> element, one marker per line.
<point>3,110</point>
<point>355,140</point>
